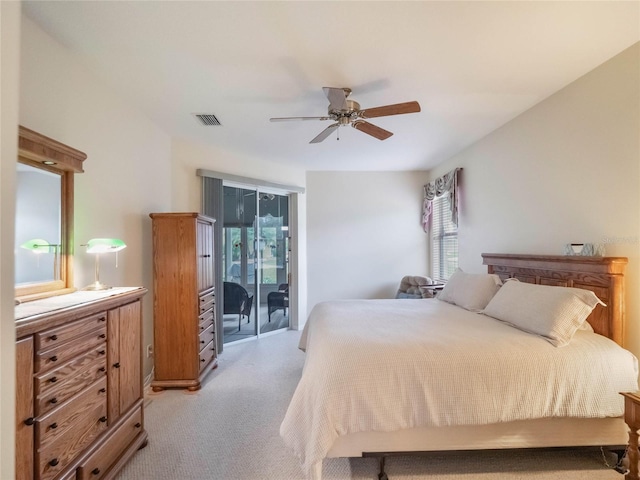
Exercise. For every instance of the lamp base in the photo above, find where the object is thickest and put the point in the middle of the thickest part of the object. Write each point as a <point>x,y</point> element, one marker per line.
<point>97,286</point>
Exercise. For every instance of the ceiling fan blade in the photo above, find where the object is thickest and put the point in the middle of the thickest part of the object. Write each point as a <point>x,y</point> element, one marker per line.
<point>325,133</point>
<point>396,109</point>
<point>371,129</point>
<point>292,119</point>
<point>337,97</point>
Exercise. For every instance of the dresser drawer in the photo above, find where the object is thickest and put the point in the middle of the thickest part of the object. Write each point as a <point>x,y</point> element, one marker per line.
<point>69,476</point>
<point>206,336</point>
<point>206,355</point>
<point>66,431</point>
<point>59,335</point>
<point>56,386</point>
<point>98,463</point>
<point>46,360</point>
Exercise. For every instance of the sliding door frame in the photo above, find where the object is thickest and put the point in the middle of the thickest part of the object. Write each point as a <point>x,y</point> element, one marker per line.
<point>212,205</point>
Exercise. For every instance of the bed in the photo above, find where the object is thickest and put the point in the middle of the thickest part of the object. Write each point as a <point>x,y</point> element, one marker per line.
<point>389,376</point>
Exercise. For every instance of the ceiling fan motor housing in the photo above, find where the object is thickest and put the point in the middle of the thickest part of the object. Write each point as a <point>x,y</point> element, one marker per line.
<point>351,111</point>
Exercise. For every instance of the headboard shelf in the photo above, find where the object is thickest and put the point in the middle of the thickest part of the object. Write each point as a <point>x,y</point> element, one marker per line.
<point>602,275</point>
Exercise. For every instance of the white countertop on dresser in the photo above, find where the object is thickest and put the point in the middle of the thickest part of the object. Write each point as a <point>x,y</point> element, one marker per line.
<point>44,305</point>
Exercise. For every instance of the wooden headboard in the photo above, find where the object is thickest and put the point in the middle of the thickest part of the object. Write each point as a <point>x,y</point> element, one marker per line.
<point>602,275</point>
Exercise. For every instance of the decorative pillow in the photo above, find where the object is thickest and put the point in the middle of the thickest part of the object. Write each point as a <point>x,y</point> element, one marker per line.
<point>555,313</point>
<point>471,291</point>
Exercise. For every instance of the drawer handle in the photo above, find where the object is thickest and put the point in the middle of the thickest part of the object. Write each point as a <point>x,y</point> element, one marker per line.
<point>54,358</point>
<point>102,335</point>
<point>54,462</point>
<point>101,369</point>
<point>138,425</point>
<point>29,421</point>
<point>101,352</point>
<point>102,390</point>
<point>116,365</point>
<point>95,471</point>
<point>53,426</point>
<point>103,419</point>
<point>53,337</point>
<point>202,360</point>
<point>53,379</point>
<point>102,319</point>
<point>201,328</point>
<point>201,341</point>
<point>53,401</point>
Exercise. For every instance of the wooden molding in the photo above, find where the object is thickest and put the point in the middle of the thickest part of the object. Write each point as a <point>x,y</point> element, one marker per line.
<point>34,147</point>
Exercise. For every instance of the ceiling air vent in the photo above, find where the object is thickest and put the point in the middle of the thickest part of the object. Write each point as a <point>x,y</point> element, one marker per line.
<point>207,119</point>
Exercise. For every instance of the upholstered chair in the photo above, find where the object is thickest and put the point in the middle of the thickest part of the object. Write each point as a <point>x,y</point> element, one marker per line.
<point>410,287</point>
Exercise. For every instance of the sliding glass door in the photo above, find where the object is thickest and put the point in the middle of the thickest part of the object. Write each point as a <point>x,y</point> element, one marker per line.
<point>255,263</point>
<point>273,241</point>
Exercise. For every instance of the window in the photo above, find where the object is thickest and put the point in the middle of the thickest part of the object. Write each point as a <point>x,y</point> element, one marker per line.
<point>444,240</point>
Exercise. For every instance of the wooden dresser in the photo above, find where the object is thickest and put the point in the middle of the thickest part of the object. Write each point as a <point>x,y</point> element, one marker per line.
<point>79,396</point>
<point>183,300</point>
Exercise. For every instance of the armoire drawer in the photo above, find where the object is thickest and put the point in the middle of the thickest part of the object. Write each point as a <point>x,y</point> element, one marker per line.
<point>206,336</point>
<point>48,359</point>
<point>205,321</point>
<point>65,381</point>
<point>206,355</point>
<point>206,301</point>
<point>106,454</point>
<point>59,335</point>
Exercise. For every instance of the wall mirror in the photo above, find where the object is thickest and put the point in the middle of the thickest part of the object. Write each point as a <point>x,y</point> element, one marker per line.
<point>44,216</point>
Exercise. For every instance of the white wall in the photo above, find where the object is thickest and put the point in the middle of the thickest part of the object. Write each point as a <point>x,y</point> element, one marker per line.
<point>127,171</point>
<point>9,75</point>
<point>188,156</point>
<point>363,233</point>
<point>567,170</point>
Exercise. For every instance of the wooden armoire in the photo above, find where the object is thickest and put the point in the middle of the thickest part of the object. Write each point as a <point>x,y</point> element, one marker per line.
<point>183,300</point>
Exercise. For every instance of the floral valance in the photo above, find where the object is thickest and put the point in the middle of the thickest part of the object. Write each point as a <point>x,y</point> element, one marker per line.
<point>444,185</point>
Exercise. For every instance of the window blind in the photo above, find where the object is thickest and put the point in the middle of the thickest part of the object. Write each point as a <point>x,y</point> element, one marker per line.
<point>444,240</point>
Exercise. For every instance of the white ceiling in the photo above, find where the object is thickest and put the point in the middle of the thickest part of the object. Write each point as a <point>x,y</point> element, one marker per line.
<point>472,66</point>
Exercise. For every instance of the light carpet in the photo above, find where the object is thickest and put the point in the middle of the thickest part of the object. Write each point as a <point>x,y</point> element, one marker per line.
<point>229,431</point>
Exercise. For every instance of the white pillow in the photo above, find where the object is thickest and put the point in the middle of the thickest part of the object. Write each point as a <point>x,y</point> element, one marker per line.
<point>471,291</point>
<point>555,313</point>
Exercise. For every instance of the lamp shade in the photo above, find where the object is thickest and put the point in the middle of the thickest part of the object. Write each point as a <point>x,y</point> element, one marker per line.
<point>105,245</point>
<point>37,245</point>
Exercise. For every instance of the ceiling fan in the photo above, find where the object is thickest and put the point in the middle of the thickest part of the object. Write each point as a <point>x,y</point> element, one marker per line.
<point>348,112</point>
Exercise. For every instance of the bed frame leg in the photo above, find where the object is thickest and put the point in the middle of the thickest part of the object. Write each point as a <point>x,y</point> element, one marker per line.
<point>382,474</point>
<point>620,467</point>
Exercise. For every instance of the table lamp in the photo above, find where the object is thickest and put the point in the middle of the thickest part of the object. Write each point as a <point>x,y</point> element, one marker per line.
<point>98,246</point>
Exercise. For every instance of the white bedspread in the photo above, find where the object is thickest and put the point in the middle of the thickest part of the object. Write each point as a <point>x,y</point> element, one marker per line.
<point>385,365</point>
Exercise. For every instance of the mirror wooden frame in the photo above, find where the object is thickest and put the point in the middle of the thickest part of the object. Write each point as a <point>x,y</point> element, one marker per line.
<point>47,154</point>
